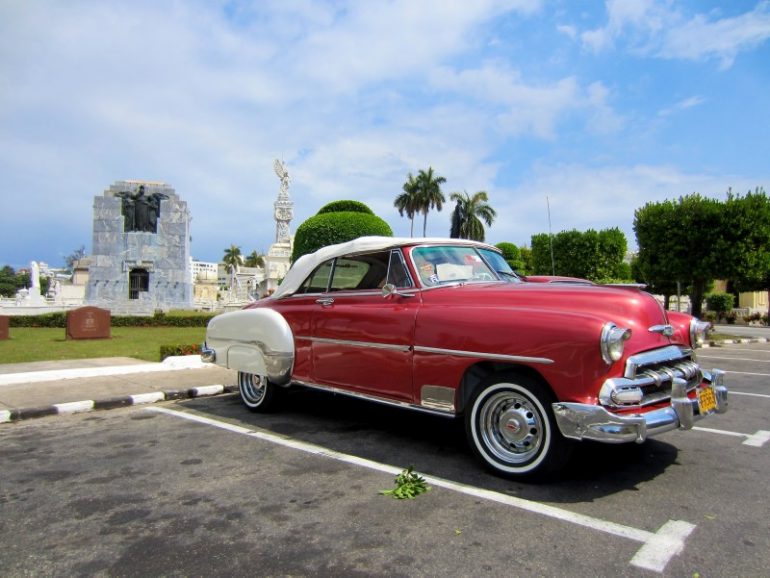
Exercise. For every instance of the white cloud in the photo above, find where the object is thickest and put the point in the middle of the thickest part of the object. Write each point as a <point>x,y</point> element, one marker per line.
<point>630,18</point>
<point>684,104</point>
<point>379,42</point>
<point>661,29</point>
<point>723,40</point>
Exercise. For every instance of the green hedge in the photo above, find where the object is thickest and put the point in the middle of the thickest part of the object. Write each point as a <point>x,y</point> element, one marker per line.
<point>46,320</point>
<point>157,320</point>
<point>176,350</point>
<point>331,228</point>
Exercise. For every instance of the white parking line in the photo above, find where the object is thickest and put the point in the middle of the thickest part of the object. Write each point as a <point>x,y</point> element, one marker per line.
<point>756,440</point>
<point>751,394</point>
<point>657,550</point>
<point>731,349</point>
<point>733,358</point>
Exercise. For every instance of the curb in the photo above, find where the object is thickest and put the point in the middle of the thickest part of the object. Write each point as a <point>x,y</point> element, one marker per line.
<point>13,415</point>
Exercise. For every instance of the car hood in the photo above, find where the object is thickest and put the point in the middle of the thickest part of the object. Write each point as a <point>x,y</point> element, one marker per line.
<point>627,307</point>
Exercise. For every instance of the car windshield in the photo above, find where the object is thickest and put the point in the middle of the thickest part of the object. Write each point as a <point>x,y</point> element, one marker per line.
<point>449,264</point>
<point>499,265</point>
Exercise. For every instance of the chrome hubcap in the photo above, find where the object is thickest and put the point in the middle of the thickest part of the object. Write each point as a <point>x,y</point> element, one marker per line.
<point>511,426</point>
<point>252,388</point>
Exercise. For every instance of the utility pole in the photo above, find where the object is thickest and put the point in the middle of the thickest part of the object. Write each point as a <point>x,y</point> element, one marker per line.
<point>550,236</point>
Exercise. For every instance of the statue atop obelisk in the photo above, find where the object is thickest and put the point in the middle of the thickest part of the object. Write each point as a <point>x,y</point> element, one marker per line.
<point>283,206</point>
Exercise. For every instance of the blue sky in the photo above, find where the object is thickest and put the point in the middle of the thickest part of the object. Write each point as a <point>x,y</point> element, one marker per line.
<point>599,106</point>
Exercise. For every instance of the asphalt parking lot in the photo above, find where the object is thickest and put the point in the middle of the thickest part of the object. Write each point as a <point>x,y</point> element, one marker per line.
<point>202,487</point>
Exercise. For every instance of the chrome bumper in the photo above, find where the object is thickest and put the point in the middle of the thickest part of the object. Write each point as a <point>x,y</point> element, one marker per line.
<point>208,355</point>
<point>593,422</point>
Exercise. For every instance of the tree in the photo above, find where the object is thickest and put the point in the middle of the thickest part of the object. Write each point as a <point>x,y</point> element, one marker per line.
<point>254,259</point>
<point>8,281</point>
<point>232,260</point>
<point>652,265</point>
<point>744,244</point>
<point>468,215</point>
<point>526,260</point>
<point>597,256</point>
<point>677,241</point>
<point>429,194</point>
<point>612,252</point>
<point>407,202</point>
<point>71,259</point>
<point>512,255</point>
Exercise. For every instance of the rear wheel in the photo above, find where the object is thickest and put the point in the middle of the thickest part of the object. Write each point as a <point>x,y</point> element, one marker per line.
<point>510,425</point>
<point>257,393</point>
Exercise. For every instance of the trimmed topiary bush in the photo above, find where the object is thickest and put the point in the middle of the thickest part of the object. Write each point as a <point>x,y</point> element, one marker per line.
<point>331,228</point>
<point>345,207</point>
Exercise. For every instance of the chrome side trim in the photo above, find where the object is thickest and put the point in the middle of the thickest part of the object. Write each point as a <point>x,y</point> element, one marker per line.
<point>366,344</point>
<point>479,354</point>
<point>380,400</point>
<point>349,293</point>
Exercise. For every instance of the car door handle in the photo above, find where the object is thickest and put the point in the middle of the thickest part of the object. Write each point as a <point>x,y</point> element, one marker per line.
<point>325,301</point>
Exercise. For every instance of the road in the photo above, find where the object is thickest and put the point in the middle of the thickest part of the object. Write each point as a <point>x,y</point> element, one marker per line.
<point>203,487</point>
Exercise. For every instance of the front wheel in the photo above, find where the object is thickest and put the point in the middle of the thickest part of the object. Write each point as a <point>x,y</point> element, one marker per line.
<point>257,392</point>
<point>510,425</point>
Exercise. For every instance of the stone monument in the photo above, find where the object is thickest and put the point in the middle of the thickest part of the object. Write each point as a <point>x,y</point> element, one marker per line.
<point>140,260</point>
<point>278,258</point>
<point>88,323</point>
<point>34,297</point>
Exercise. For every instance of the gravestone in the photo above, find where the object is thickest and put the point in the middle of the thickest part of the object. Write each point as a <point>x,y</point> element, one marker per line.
<point>140,262</point>
<point>4,327</point>
<point>88,323</point>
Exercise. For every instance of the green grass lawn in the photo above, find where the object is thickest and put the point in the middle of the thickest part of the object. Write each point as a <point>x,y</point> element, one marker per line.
<point>43,344</point>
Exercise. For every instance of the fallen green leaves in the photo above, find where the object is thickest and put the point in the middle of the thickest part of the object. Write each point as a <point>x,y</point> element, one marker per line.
<point>409,485</point>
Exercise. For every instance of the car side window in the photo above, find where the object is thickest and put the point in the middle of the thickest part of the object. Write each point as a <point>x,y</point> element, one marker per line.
<point>360,272</point>
<point>318,281</point>
<point>397,272</point>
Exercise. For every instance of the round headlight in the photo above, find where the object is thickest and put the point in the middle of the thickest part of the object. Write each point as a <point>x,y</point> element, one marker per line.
<point>698,332</point>
<point>613,341</point>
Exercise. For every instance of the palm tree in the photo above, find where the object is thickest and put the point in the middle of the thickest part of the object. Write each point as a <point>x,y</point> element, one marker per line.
<point>469,213</point>
<point>232,261</point>
<point>429,194</point>
<point>254,259</point>
<point>407,201</point>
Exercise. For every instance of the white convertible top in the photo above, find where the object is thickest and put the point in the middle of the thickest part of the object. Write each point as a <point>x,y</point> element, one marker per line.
<point>306,264</point>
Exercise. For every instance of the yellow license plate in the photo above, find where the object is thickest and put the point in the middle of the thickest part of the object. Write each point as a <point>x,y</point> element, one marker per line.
<point>707,401</point>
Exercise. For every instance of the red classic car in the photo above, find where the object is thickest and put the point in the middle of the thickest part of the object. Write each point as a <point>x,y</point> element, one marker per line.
<point>444,326</point>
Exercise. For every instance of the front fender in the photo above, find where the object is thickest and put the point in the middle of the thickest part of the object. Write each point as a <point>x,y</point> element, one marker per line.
<point>257,341</point>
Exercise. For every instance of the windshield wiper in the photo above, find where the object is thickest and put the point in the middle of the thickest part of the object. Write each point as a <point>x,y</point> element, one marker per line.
<point>510,274</point>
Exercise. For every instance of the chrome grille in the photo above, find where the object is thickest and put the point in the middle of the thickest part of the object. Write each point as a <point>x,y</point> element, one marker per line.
<point>654,372</point>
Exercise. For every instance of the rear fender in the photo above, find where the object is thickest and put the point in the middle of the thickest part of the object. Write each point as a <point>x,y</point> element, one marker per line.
<point>257,341</point>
